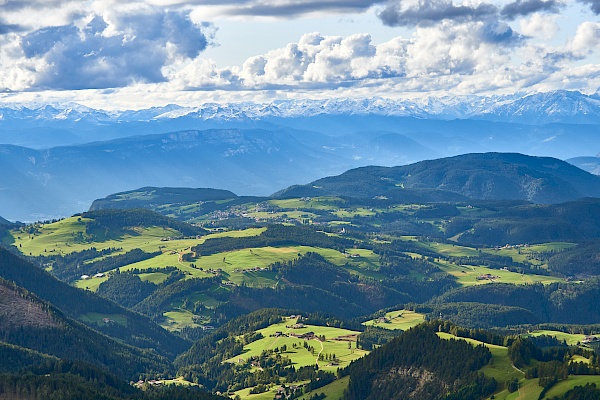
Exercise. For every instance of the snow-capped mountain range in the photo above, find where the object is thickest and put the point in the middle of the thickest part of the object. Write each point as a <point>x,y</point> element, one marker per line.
<point>539,108</point>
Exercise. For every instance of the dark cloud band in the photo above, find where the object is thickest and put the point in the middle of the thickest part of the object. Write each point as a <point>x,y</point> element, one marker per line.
<point>594,5</point>
<point>522,8</point>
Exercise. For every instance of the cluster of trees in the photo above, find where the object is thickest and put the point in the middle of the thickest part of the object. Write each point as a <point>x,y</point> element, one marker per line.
<point>275,235</point>
<point>59,379</point>
<point>108,224</point>
<point>72,266</point>
<point>398,369</point>
<point>64,265</point>
<point>125,288</point>
<point>501,304</point>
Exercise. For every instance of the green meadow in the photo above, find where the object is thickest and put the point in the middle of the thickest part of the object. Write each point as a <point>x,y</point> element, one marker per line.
<point>344,350</point>
<point>333,391</point>
<point>500,368</point>
<point>467,275</point>
<point>399,319</point>
<point>526,253</point>
<point>233,263</point>
<point>316,203</point>
<point>571,338</point>
<point>574,380</point>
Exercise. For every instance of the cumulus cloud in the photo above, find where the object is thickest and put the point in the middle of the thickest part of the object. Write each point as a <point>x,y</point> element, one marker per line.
<point>330,62</point>
<point>112,52</point>
<point>586,40</point>
<point>315,61</point>
<point>540,26</point>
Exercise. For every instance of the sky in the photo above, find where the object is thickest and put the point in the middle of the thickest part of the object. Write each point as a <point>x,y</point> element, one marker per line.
<point>136,54</point>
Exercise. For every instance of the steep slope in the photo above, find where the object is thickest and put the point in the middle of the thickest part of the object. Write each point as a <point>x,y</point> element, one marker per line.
<point>488,176</point>
<point>75,303</point>
<point>28,322</point>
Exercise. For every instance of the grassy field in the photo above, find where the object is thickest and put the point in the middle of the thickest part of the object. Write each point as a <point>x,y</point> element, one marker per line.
<point>501,367</point>
<point>316,203</point>
<point>522,254</point>
<point>528,390</point>
<point>502,370</point>
<point>63,237</point>
<point>399,319</point>
<point>299,355</point>
<point>571,338</point>
<point>333,391</point>
<point>467,275</point>
<point>177,319</point>
<point>90,284</point>
<point>574,380</point>
<point>450,250</point>
<point>233,263</point>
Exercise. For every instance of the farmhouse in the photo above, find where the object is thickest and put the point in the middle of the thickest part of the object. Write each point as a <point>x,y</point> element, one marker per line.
<point>307,335</point>
<point>487,276</point>
<point>590,339</point>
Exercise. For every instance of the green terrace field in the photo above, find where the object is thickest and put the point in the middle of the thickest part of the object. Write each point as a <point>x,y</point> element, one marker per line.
<point>338,342</point>
<point>399,319</point>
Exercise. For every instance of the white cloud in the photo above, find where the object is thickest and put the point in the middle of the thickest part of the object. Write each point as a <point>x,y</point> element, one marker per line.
<point>586,39</point>
<point>111,50</point>
<point>156,46</point>
<point>539,26</point>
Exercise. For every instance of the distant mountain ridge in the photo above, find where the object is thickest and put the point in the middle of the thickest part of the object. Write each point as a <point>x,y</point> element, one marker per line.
<point>589,164</point>
<point>488,176</point>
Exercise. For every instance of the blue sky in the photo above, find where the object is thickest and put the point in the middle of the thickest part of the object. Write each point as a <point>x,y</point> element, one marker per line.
<point>136,54</point>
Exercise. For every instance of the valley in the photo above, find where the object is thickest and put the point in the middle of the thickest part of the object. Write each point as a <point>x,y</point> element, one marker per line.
<point>259,297</point>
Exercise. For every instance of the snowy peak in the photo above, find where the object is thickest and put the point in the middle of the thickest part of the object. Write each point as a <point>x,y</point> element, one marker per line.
<point>558,106</point>
<point>535,109</point>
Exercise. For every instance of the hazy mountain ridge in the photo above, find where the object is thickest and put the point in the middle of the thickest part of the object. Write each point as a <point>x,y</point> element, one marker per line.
<point>498,176</point>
